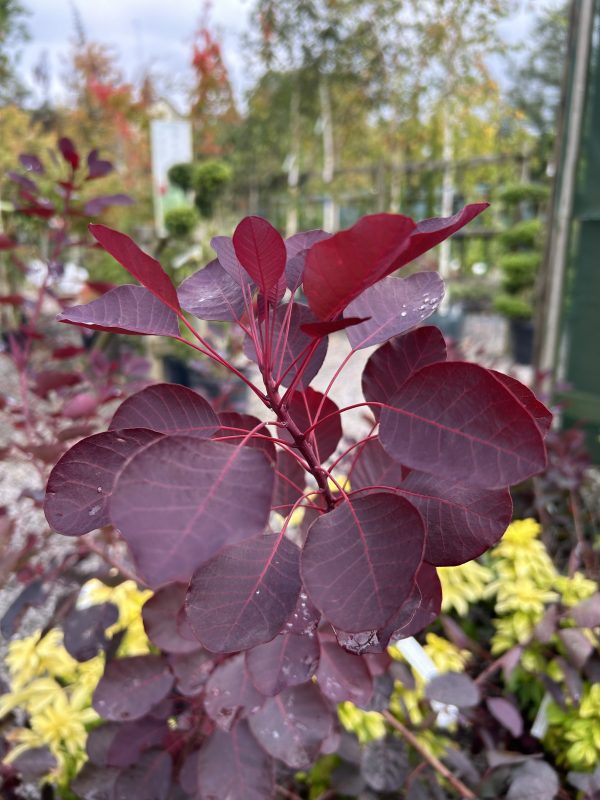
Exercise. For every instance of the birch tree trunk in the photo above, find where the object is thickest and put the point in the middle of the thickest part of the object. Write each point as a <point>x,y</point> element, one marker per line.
<point>293,178</point>
<point>330,211</point>
<point>447,186</point>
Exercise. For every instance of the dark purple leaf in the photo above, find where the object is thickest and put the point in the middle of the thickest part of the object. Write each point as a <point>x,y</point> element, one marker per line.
<point>234,428</point>
<point>165,622</point>
<point>289,482</point>
<point>85,630</point>
<point>31,163</point>
<point>534,780</point>
<point>125,309</point>
<point>318,329</point>
<point>229,692</point>
<point>430,232</point>
<point>577,645</point>
<point>243,596</point>
<point>81,484</point>
<point>419,610</point>
<point>392,364</point>
<point>223,247</point>
<point>292,725</point>
<point>98,204</point>
<point>587,613</point>
<point>99,741</point>
<point>94,782</point>
<point>461,522</point>
<point>68,151</point>
<point>49,380</point>
<point>191,671</point>
<point>507,714</point>
<point>182,499</point>
<point>393,306</point>
<point>342,676</point>
<point>304,240</point>
<point>385,764</point>
<point>167,408</point>
<point>233,766</point>
<point>287,660</point>
<point>34,764</point>
<point>453,688</point>
<point>148,779</point>
<point>538,410</point>
<point>130,687</point>
<point>359,561</point>
<point>143,267</point>
<point>97,168</point>
<point>338,269</point>
<point>290,346</point>
<point>32,596</point>
<point>304,411</point>
<point>456,420</point>
<point>212,294</point>
<point>261,251</point>
<point>131,739</point>
<point>305,618</point>
<point>373,467</point>
<point>25,183</point>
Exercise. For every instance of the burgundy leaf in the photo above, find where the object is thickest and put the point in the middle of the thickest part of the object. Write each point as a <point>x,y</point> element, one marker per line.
<point>430,232</point>
<point>343,676</point>
<point>230,692</point>
<point>359,560</point>
<point>131,739</point>
<point>392,364</point>
<point>50,380</point>
<point>68,151</point>
<point>234,766</point>
<point>130,687</point>
<point>461,522</point>
<point>94,783</point>
<point>31,163</point>
<point>167,408</point>
<point>419,610</point>
<point>84,630</point>
<point>6,243</point>
<point>587,613</point>
<point>305,618</point>
<point>143,267</point>
<point>26,183</point>
<point>100,287</point>
<point>290,346</point>
<point>191,671</point>
<point>304,240</point>
<point>234,428</point>
<point>304,411</point>
<point>289,482</point>
<point>292,725</point>
<point>97,205</point>
<point>81,484</point>
<point>456,420</point>
<point>69,351</point>
<point>538,410</point>
<point>318,329</point>
<point>183,498</point>
<point>507,714</point>
<point>261,251</point>
<point>149,778</point>
<point>287,660</point>
<point>243,596</point>
<point>338,269</point>
<point>125,309</point>
<point>373,467</point>
<point>82,405</point>
<point>453,688</point>
<point>212,294</point>
<point>223,247</point>
<point>97,168</point>
<point>165,622</point>
<point>394,306</point>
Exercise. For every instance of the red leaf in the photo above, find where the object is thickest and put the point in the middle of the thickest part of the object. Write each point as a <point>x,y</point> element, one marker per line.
<point>68,151</point>
<point>165,622</point>
<point>234,428</point>
<point>243,596</point>
<point>49,380</point>
<point>69,351</point>
<point>6,243</point>
<point>342,676</point>
<point>183,498</point>
<point>143,267</point>
<point>338,269</point>
<point>83,405</point>
<point>12,299</point>
<point>81,484</point>
<point>317,329</point>
<point>374,467</point>
<point>261,251</point>
<point>230,692</point>
<point>130,687</point>
<point>167,408</point>
<point>287,660</point>
<point>359,561</point>
<point>290,482</point>
<point>456,420</point>
<point>125,309</point>
<point>303,410</point>
<point>538,410</point>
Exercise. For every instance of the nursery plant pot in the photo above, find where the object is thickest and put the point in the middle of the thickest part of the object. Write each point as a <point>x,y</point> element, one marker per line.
<point>521,337</point>
<point>451,322</point>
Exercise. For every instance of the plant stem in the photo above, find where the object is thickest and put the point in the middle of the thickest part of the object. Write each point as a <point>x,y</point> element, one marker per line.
<point>434,762</point>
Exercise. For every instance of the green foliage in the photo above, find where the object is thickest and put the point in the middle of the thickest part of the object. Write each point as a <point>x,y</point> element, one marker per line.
<point>181,175</point>
<point>522,235</point>
<point>519,269</point>
<point>513,307</point>
<point>180,222</point>
<point>515,193</point>
<point>209,180</point>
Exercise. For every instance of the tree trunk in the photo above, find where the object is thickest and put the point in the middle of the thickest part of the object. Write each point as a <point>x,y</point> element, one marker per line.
<point>330,211</point>
<point>293,178</point>
<point>447,186</point>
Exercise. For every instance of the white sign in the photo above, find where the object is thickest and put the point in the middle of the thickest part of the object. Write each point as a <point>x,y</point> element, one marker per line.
<point>170,143</point>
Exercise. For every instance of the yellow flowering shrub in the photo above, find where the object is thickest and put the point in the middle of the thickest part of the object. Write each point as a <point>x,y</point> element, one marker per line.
<point>54,691</point>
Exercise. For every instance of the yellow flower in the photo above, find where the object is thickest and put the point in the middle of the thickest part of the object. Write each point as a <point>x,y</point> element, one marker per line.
<point>574,590</point>
<point>462,585</point>
<point>129,599</point>
<point>445,655</point>
<point>367,725</point>
<point>61,725</point>
<point>22,660</point>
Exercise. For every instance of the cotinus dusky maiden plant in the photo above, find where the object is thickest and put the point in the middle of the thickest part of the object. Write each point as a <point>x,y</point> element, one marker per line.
<point>294,617</point>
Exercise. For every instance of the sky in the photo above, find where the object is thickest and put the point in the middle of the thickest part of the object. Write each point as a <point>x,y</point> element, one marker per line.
<point>157,34</point>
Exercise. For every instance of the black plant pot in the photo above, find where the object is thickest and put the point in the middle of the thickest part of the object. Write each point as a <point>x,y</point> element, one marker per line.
<point>521,336</point>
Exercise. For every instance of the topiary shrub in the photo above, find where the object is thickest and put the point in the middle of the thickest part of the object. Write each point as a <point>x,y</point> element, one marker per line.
<point>180,222</point>
<point>209,180</point>
<point>181,175</point>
